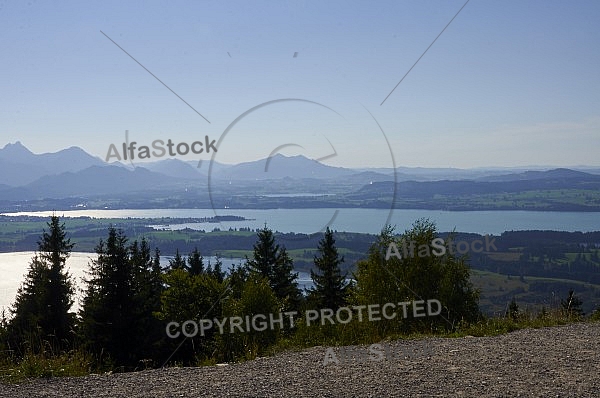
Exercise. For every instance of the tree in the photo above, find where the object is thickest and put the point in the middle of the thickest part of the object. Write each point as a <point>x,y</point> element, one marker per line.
<point>177,262</point>
<point>217,271</point>
<point>513,310</point>
<point>195,262</point>
<point>273,263</point>
<point>331,288</point>
<point>190,297</point>
<point>443,277</point>
<point>43,301</point>
<point>122,292</point>
<point>256,297</point>
<point>265,254</point>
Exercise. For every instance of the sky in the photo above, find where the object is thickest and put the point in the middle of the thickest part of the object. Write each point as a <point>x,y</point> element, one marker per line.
<point>510,83</point>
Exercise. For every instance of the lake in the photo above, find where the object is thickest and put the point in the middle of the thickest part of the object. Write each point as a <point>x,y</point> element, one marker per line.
<point>13,266</point>
<point>358,220</point>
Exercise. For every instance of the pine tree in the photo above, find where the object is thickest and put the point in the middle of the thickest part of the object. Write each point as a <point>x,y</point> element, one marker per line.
<point>177,262</point>
<point>107,305</point>
<point>284,281</point>
<point>147,292</point>
<point>330,285</point>
<point>217,271</point>
<point>195,263</point>
<point>121,295</point>
<point>45,298</point>
<point>265,254</point>
<point>272,262</point>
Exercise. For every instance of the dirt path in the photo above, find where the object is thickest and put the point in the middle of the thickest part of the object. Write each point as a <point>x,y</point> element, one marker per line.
<point>550,362</point>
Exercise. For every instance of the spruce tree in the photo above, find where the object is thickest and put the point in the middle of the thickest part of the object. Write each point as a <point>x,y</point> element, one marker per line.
<point>217,271</point>
<point>121,296</point>
<point>195,263</point>
<point>45,298</point>
<point>330,285</point>
<point>106,315</point>
<point>272,262</point>
<point>177,262</point>
<point>284,282</point>
<point>265,254</point>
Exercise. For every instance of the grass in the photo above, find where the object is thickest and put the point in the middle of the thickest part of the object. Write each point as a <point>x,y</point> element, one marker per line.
<point>78,363</point>
<point>43,365</point>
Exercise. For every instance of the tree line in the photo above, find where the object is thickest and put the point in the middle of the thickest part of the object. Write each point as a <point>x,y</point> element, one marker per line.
<point>128,298</point>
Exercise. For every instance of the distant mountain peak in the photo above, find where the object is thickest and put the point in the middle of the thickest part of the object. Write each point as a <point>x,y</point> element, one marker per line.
<point>16,152</point>
<point>17,147</point>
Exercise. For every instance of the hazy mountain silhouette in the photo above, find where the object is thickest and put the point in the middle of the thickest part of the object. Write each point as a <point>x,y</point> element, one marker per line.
<point>23,167</point>
<point>280,166</point>
<point>560,173</point>
<point>510,183</point>
<point>174,168</point>
<point>94,181</point>
<point>73,172</point>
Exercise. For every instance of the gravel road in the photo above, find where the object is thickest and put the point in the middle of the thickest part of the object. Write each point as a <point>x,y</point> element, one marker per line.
<point>550,362</point>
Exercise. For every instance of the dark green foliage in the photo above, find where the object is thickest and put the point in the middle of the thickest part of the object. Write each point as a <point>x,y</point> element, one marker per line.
<point>256,297</point>
<point>190,297</point>
<point>273,263</point>
<point>238,275</point>
<point>177,262</point>
<point>445,278</point>
<point>195,262</point>
<point>121,294</point>
<point>265,254</point>
<point>331,288</point>
<point>217,271</point>
<point>513,310</point>
<point>595,316</point>
<point>41,309</point>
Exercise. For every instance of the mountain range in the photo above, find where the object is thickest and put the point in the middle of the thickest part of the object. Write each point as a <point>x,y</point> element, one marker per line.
<point>73,173</point>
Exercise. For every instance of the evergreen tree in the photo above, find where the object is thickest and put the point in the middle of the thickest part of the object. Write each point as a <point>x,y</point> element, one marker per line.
<point>284,282</point>
<point>106,315</point>
<point>217,271</point>
<point>45,298</point>
<point>122,293</point>
<point>273,263</point>
<point>195,262</point>
<point>177,262</point>
<point>147,293</point>
<point>513,310</point>
<point>330,285</point>
<point>265,254</point>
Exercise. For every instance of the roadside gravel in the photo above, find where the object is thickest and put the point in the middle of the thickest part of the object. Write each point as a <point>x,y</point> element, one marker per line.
<point>550,362</point>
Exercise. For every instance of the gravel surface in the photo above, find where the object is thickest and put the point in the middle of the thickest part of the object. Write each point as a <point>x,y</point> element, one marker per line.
<point>550,362</point>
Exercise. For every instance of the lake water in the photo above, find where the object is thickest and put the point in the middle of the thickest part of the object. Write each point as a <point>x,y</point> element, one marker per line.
<point>359,220</point>
<point>13,266</point>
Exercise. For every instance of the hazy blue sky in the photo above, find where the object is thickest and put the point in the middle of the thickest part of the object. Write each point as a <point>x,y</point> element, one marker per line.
<point>509,83</point>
